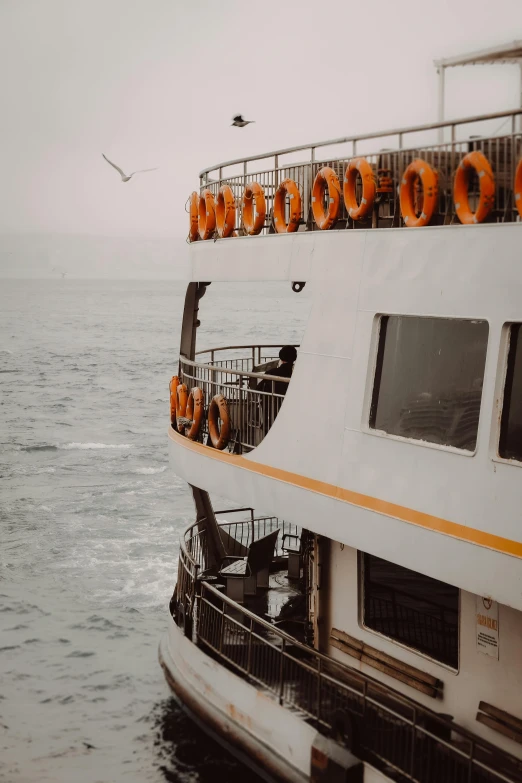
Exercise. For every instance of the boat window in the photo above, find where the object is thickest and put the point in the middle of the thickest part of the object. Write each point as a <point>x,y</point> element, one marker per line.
<point>428,379</point>
<point>510,446</point>
<point>411,608</point>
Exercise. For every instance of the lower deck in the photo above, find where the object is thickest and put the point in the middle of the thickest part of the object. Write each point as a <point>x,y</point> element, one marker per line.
<point>271,639</point>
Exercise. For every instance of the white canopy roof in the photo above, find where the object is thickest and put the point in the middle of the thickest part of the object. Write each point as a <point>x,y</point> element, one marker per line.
<point>505,53</point>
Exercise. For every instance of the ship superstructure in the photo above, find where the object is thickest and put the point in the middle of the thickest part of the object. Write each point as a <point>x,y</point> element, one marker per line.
<point>358,611</point>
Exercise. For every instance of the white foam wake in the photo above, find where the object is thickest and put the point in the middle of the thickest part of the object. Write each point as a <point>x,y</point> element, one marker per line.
<point>150,471</point>
<point>96,446</point>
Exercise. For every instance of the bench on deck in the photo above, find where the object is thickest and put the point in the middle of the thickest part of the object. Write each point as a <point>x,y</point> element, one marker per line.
<point>244,575</point>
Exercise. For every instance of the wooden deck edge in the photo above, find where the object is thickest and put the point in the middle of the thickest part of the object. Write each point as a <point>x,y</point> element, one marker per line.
<point>415,678</point>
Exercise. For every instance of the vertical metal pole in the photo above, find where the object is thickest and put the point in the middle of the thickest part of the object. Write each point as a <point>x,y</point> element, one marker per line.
<point>222,628</point>
<point>281,672</point>
<point>440,71</point>
<point>319,678</point>
<point>249,661</point>
<point>412,739</point>
<point>520,101</point>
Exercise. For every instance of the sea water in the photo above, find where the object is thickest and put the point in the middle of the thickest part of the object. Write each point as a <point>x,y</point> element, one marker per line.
<point>90,517</point>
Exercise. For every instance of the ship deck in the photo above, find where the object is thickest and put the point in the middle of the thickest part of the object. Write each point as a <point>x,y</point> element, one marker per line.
<point>263,641</point>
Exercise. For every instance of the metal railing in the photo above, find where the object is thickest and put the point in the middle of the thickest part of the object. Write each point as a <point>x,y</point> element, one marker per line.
<point>252,410</point>
<point>194,555</point>
<point>389,153</point>
<point>244,532</point>
<point>380,725</point>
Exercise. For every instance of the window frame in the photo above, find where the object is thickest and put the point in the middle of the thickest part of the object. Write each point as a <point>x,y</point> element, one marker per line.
<point>500,394</point>
<point>373,369</point>
<point>398,642</point>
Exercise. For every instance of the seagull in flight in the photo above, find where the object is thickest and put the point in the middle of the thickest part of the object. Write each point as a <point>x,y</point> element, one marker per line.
<point>239,122</point>
<point>125,177</point>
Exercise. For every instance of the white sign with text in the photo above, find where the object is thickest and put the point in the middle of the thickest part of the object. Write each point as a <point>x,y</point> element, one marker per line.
<point>487,626</point>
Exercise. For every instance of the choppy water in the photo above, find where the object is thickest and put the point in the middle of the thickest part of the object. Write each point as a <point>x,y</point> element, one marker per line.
<point>90,516</point>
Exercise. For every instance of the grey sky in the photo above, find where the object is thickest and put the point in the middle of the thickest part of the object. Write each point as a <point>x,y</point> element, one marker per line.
<point>155,83</point>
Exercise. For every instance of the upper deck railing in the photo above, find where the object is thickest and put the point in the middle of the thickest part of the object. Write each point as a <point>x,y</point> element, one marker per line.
<point>235,372</point>
<point>388,153</point>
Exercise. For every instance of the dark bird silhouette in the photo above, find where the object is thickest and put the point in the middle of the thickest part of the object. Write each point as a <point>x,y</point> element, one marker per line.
<point>239,122</point>
<point>125,177</point>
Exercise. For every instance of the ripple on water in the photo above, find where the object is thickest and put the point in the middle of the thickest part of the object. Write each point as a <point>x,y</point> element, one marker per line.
<point>100,487</point>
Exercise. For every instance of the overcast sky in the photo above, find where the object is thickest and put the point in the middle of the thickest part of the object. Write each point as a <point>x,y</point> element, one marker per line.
<point>156,82</point>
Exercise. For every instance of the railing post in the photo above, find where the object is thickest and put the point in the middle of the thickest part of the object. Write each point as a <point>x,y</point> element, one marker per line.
<point>252,523</point>
<point>222,628</point>
<point>470,761</point>
<point>276,171</point>
<point>196,592</point>
<point>281,672</point>
<point>412,748</point>
<point>249,659</point>
<point>319,681</point>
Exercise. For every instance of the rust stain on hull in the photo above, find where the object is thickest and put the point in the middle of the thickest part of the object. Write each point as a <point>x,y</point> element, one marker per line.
<point>247,752</point>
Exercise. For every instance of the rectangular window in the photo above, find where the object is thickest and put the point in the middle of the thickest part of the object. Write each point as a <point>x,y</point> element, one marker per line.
<point>411,608</point>
<point>428,379</point>
<point>510,446</point>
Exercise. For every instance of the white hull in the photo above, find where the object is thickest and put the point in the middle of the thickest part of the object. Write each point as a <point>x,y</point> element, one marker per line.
<point>274,741</point>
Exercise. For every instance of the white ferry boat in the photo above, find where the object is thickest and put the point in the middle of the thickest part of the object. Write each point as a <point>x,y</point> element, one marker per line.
<point>357,614</point>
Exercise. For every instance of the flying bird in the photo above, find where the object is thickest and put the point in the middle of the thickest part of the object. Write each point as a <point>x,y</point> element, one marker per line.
<point>239,122</point>
<point>125,177</point>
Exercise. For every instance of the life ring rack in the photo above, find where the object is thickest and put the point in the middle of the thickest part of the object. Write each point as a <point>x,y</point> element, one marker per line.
<point>218,409</point>
<point>194,216</point>
<point>355,210</point>
<point>474,161</point>
<point>418,169</point>
<point>206,214</point>
<point>181,406</point>
<point>287,188</point>
<point>173,386</point>
<point>225,211</point>
<point>326,180</point>
<point>194,412</point>
<point>254,208</point>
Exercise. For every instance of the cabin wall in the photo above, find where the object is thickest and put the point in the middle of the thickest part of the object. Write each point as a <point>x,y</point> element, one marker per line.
<point>479,678</point>
<point>453,514</point>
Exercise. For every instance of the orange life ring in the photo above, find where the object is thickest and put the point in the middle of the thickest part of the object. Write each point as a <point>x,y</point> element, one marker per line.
<point>206,214</point>
<point>362,167</point>
<point>173,385</point>
<point>254,208</point>
<point>195,406</point>
<point>290,189</point>
<point>194,216</point>
<point>477,161</point>
<point>181,405</point>
<point>518,187</point>
<point>225,211</point>
<point>219,410</point>
<point>326,179</point>
<point>419,169</point>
